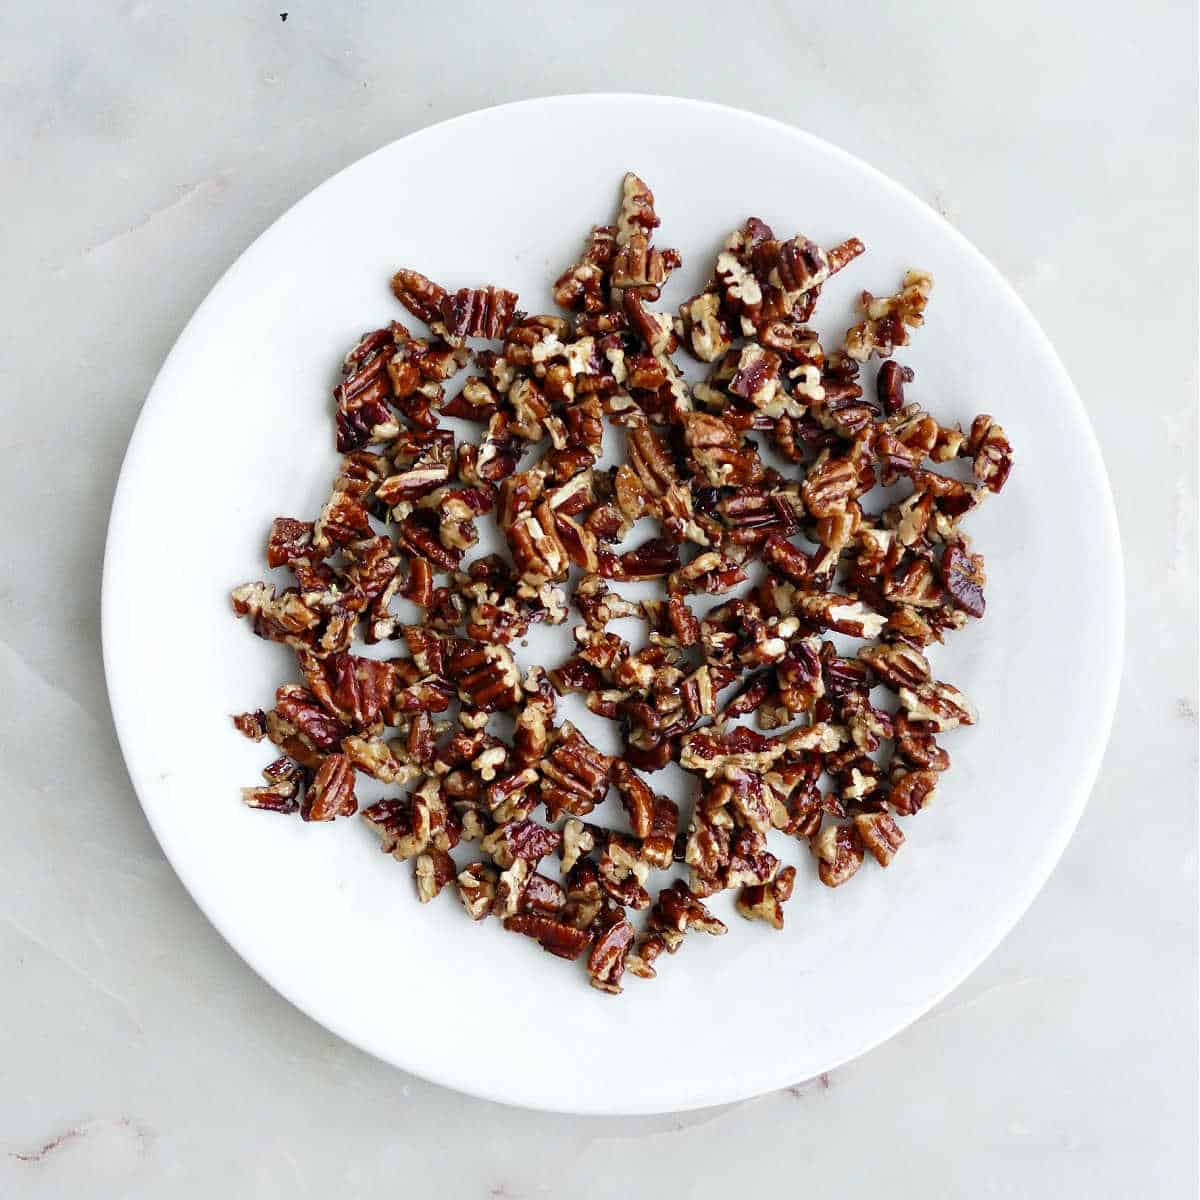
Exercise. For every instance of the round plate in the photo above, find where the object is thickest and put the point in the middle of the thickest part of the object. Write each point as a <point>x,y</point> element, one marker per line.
<point>238,428</point>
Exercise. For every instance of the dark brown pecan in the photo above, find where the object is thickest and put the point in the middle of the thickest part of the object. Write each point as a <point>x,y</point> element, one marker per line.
<point>840,850</point>
<point>606,962</point>
<point>889,318</point>
<point>765,901</point>
<point>992,454</point>
<point>331,793</point>
<point>363,414</point>
<point>574,775</point>
<point>434,869</point>
<point>543,895</point>
<point>477,889</point>
<point>653,559</point>
<point>940,704</point>
<point>623,872</point>
<point>300,709</point>
<point>478,312</point>
<point>911,791</point>
<point>963,578</point>
<point>422,297</point>
<point>889,384</point>
<point>880,834</point>
<point>353,689</point>
<point>582,286</point>
<point>557,937</point>
<point>486,676</point>
<point>636,215</point>
<point>289,540</point>
<point>702,328</point>
<point>251,724</point>
<point>284,779</point>
<point>585,898</point>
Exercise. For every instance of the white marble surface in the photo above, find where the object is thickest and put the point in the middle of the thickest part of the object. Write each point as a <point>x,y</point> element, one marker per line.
<point>144,145</point>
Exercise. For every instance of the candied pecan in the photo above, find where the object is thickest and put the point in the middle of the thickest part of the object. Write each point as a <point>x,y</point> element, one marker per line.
<point>658,847</point>
<point>911,791</point>
<point>331,793</point>
<point>653,559</point>
<point>536,548</point>
<point>478,312</point>
<point>830,485</point>
<point>623,872</point>
<point>840,850</point>
<point>636,215</point>
<point>521,839</point>
<point>638,264</point>
<point>574,775</point>
<point>750,862</point>
<point>585,898</point>
<point>897,664</point>
<point>300,709</point>
<point>889,318</point>
<point>284,779</point>
<point>581,287</point>
<point>422,297</point>
<point>379,759</point>
<point>363,414</point>
<point>941,704</point>
<point>282,617</point>
<point>679,910</point>
<point>559,938</point>
<point>577,841</point>
<point>510,888</point>
<point>542,895</point>
<point>765,901</point>
<point>702,328</point>
<point>477,889</point>
<point>710,572</point>
<point>289,540</point>
<point>353,689</point>
<point>843,614</point>
<point>723,458</point>
<point>992,454</point>
<point>251,724</point>
<point>606,962</point>
<point>963,578</point>
<point>515,796</point>
<point>434,869</point>
<point>486,676</point>
<point>880,834</point>
<point>918,747</point>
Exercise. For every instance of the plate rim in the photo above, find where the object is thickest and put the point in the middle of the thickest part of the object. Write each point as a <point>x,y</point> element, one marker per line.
<point>1003,920</point>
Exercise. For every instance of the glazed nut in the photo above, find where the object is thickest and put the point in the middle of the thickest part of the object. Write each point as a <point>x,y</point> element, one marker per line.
<point>606,961</point>
<point>840,851</point>
<point>554,936</point>
<point>765,901</point>
<point>477,889</point>
<point>434,869</point>
<point>912,791</point>
<point>331,793</point>
<point>940,704</point>
<point>880,835</point>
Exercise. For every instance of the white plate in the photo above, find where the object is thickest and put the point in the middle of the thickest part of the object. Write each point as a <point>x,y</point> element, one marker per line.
<point>238,429</point>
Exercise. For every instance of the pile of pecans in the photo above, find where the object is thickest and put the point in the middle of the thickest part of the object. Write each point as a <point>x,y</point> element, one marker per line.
<point>827,765</point>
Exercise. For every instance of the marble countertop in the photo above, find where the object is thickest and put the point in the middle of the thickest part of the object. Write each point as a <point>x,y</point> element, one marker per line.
<point>145,145</point>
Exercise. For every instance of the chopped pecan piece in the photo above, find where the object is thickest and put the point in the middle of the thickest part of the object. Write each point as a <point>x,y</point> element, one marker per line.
<point>477,889</point>
<point>840,850</point>
<point>880,834</point>
<point>331,793</point>
<point>434,869</point>
<point>606,962</point>
<point>889,318</point>
<point>557,937</point>
<point>765,901</point>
